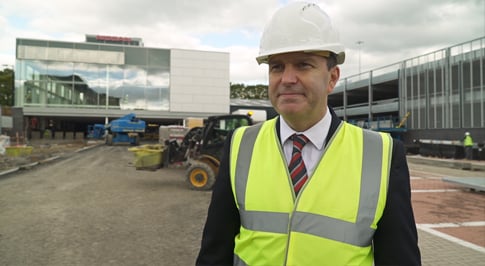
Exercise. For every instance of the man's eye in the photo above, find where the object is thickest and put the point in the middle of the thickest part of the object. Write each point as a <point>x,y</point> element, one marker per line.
<point>274,68</point>
<point>304,65</point>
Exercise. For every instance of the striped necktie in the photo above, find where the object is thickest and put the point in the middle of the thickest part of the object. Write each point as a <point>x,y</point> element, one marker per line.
<point>297,167</point>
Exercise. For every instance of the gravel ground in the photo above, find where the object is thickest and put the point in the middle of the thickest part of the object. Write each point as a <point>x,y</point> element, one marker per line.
<point>94,208</point>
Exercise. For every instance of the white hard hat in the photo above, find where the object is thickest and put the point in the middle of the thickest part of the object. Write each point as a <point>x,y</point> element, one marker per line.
<point>302,27</point>
<point>467,133</point>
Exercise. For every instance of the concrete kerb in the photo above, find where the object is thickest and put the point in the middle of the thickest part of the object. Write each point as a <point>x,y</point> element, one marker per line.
<point>28,166</point>
<point>450,163</point>
<point>8,171</point>
<point>87,148</point>
<point>50,159</point>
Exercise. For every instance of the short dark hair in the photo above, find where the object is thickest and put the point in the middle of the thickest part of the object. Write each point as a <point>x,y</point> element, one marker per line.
<point>331,60</point>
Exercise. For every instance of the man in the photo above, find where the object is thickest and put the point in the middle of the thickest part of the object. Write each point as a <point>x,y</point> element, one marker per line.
<point>468,143</point>
<point>306,188</point>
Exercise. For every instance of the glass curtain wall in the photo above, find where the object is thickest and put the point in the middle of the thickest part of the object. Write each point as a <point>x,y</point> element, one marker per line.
<point>446,89</point>
<point>142,83</point>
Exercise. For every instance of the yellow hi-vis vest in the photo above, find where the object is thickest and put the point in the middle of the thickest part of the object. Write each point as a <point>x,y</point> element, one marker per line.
<point>334,217</point>
<point>468,141</point>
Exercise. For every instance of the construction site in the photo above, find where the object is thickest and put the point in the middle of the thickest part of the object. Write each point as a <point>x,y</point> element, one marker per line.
<point>100,168</point>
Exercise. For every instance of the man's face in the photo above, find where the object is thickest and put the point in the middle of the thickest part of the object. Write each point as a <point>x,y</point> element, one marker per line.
<point>299,84</point>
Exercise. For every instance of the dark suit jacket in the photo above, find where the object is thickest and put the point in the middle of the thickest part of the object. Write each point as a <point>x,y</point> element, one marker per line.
<point>395,240</point>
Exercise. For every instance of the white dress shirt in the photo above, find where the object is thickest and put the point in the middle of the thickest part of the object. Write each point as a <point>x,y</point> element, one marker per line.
<point>313,150</point>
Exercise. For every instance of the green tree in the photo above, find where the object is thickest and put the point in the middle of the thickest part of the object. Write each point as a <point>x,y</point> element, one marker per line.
<point>241,91</point>
<point>6,87</point>
<point>237,91</point>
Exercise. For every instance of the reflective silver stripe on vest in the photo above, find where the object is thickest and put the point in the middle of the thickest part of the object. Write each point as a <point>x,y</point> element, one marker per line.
<point>358,234</point>
<point>238,261</point>
<point>242,165</point>
<point>264,221</point>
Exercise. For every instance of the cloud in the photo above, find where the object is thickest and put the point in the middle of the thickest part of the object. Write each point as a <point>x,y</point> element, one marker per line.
<point>397,30</point>
<point>391,30</point>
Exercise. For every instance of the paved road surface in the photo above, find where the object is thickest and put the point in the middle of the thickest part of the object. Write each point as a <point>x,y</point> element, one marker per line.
<point>450,219</point>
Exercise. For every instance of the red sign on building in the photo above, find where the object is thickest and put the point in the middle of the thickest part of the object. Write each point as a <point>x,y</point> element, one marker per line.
<point>112,38</point>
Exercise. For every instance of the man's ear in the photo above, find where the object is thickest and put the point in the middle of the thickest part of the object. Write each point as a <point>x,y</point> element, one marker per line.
<point>334,77</point>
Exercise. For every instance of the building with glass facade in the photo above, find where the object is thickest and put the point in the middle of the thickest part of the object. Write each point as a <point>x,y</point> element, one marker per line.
<point>75,84</point>
<point>439,95</point>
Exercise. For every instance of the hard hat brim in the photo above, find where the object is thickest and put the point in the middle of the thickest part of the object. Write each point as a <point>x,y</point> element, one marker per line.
<point>263,59</point>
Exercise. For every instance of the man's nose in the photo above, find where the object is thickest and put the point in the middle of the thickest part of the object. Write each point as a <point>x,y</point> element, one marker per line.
<point>289,75</point>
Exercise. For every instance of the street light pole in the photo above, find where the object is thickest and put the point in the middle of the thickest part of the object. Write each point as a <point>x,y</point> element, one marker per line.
<point>359,43</point>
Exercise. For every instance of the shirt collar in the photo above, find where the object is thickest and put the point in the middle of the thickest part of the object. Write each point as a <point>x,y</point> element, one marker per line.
<point>316,134</point>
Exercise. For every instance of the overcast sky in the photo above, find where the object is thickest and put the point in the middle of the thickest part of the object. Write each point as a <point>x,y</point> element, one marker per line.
<point>391,30</point>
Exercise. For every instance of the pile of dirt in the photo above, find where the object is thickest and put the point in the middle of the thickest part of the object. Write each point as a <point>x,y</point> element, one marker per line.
<point>42,151</point>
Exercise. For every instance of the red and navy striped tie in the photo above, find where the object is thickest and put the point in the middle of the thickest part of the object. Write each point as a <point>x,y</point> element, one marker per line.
<point>297,166</point>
